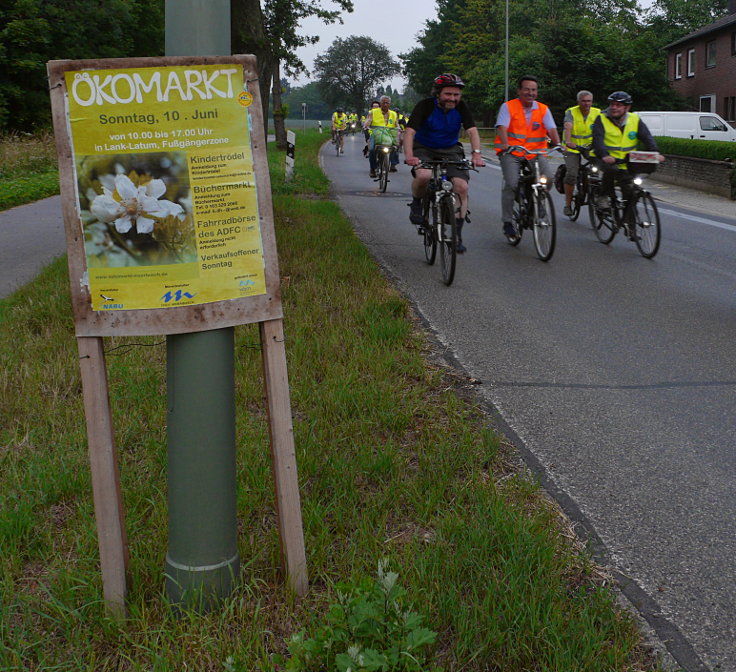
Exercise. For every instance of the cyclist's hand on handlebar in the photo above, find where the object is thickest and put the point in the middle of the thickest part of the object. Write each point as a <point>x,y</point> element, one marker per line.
<point>609,159</point>
<point>412,161</point>
<point>477,160</point>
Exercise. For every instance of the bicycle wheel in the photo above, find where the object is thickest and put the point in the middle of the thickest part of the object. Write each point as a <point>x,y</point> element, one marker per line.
<point>518,213</point>
<point>447,234</point>
<point>545,225</point>
<point>337,144</point>
<point>601,220</point>
<point>430,239</point>
<point>383,172</point>
<point>647,230</point>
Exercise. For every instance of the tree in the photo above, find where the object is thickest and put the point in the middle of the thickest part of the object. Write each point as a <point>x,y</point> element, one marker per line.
<point>317,108</point>
<point>352,68</point>
<point>272,31</point>
<point>672,19</point>
<point>35,31</point>
<point>600,45</point>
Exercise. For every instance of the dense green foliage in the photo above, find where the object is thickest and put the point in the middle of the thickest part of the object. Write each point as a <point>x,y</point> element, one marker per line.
<point>701,149</point>
<point>34,31</point>
<point>569,45</point>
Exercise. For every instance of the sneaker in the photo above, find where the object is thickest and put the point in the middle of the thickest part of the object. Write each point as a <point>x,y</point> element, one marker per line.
<point>392,169</point>
<point>372,173</point>
<point>415,215</point>
<point>509,231</point>
<point>567,211</point>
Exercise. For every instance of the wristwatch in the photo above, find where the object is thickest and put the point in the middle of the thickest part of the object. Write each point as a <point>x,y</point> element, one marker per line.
<point>476,151</point>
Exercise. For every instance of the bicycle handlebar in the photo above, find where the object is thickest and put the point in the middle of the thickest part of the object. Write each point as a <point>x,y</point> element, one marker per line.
<point>465,164</point>
<point>538,152</point>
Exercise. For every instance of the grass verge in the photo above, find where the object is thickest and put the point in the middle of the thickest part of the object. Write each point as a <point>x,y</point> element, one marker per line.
<point>28,169</point>
<point>395,464</point>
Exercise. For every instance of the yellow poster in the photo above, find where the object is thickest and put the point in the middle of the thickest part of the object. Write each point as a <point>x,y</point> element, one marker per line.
<point>167,194</point>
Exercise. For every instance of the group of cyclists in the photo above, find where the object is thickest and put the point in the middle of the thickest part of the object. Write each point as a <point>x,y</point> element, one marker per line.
<point>524,129</point>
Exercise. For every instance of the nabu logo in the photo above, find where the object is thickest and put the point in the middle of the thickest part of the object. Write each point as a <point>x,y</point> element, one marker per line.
<point>176,296</point>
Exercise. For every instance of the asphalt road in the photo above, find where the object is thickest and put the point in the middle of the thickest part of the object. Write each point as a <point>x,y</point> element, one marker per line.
<point>31,236</point>
<point>614,374</point>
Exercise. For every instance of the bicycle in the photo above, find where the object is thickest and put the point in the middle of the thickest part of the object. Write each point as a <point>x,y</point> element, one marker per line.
<point>638,216</point>
<point>581,193</point>
<point>384,154</point>
<point>442,201</point>
<point>533,208</point>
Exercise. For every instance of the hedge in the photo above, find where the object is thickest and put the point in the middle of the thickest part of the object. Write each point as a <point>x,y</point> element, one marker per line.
<point>701,149</point>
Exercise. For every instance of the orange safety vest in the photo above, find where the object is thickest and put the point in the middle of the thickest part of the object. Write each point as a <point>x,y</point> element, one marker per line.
<point>532,135</point>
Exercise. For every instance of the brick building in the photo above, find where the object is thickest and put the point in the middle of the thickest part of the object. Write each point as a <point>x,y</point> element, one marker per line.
<point>702,66</point>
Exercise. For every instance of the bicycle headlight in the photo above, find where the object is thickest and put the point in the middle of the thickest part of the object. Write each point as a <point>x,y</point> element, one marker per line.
<point>594,169</point>
<point>385,150</point>
<point>543,179</point>
<point>447,185</point>
<point>638,181</point>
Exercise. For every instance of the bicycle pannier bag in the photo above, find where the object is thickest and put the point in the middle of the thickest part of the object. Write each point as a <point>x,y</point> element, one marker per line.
<point>560,178</point>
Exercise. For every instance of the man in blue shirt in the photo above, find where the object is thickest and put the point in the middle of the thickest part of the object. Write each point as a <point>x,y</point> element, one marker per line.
<point>433,133</point>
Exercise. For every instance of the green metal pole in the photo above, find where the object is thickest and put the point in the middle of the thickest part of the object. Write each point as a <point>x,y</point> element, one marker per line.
<point>202,562</point>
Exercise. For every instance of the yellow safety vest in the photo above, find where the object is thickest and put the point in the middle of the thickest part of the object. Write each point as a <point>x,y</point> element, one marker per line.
<point>582,129</point>
<point>620,141</point>
<point>340,121</point>
<point>378,121</point>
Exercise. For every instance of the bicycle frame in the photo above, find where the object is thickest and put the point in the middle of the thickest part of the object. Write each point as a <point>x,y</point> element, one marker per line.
<point>443,203</point>
<point>534,208</point>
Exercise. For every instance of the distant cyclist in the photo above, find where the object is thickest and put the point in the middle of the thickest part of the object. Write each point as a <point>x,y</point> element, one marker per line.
<point>432,134</point>
<point>616,133</point>
<point>339,125</point>
<point>526,123</point>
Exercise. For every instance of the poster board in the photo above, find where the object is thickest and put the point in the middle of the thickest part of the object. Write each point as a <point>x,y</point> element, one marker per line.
<point>166,194</point>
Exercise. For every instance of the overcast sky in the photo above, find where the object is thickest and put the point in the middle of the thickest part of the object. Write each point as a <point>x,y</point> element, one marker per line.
<point>393,23</point>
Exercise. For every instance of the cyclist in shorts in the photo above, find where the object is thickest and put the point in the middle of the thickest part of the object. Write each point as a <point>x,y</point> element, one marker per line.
<point>433,133</point>
<point>339,125</point>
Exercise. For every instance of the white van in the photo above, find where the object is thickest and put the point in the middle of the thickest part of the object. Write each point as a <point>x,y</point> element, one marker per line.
<point>693,125</point>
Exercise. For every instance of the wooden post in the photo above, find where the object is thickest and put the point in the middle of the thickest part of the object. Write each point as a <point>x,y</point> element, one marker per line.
<point>283,455</point>
<point>109,514</point>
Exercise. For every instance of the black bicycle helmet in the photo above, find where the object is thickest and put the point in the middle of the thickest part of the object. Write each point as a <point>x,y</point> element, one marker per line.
<point>620,97</point>
<point>339,110</point>
<point>447,79</point>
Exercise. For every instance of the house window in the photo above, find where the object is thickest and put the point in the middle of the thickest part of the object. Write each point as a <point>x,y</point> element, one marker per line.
<point>691,62</point>
<point>733,44</point>
<point>708,104</point>
<point>678,66</point>
<point>710,54</point>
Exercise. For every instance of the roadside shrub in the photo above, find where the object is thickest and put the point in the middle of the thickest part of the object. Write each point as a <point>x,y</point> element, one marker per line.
<point>716,150</point>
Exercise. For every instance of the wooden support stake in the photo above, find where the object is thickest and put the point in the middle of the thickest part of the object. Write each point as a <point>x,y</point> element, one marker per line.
<point>283,455</point>
<point>105,476</point>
